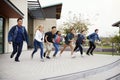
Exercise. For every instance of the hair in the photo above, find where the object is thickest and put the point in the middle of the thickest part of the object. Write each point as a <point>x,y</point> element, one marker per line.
<point>19,19</point>
<point>38,27</point>
<point>72,29</point>
<point>53,27</point>
<point>96,30</point>
<point>82,31</point>
<point>57,32</point>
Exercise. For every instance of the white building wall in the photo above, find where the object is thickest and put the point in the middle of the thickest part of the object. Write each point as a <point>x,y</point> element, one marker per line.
<point>47,23</point>
<point>22,6</point>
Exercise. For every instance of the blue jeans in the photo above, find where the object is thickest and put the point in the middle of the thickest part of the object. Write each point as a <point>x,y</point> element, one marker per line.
<point>56,45</point>
<point>36,45</point>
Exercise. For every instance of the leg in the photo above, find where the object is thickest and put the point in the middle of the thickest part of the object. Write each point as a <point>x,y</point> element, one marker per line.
<point>46,49</point>
<point>56,49</point>
<point>35,48</point>
<point>49,50</point>
<point>94,46</point>
<point>14,49</point>
<point>63,49</point>
<point>41,48</point>
<point>20,45</point>
<point>72,48</point>
<point>81,49</point>
<point>90,47</point>
<point>76,47</point>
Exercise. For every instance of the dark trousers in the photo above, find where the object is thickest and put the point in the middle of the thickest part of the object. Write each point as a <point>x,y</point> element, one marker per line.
<point>17,48</point>
<point>78,45</point>
<point>36,45</point>
<point>92,46</point>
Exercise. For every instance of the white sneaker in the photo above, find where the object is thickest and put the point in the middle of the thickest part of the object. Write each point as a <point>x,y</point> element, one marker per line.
<point>42,60</point>
<point>73,56</point>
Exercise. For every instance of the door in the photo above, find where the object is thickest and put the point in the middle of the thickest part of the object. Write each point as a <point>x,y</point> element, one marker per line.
<point>1,35</point>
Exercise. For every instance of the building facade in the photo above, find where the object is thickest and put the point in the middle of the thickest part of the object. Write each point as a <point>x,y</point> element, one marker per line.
<point>10,10</point>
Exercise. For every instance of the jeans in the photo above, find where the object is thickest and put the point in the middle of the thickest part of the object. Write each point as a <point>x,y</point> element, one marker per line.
<point>36,45</point>
<point>57,46</point>
<point>17,47</point>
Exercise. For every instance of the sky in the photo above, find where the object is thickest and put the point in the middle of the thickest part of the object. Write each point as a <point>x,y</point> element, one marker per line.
<point>101,13</point>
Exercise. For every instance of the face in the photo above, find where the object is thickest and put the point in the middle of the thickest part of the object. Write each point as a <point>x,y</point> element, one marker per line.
<point>59,33</point>
<point>84,32</point>
<point>73,31</point>
<point>20,22</point>
<point>42,28</point>
<point>97,31</point>
<point>54,30</point>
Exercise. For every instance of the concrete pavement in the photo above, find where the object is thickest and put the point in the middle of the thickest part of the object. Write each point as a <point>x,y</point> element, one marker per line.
<point>34,69</point>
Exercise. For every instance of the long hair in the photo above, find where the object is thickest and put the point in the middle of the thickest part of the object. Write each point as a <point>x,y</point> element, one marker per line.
<point>38,27</point>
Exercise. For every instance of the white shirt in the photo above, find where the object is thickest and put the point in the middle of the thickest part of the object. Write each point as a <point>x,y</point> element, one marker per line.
<point>39,36</point>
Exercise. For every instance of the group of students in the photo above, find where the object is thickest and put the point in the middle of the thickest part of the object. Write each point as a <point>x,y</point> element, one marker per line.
<point>54,38</point>
<point>18,34</point>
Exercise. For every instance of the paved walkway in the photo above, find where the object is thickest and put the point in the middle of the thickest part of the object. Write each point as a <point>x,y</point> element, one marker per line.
<point>34,69</point>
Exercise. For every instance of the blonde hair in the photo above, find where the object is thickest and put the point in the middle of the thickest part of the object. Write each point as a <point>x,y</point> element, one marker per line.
<point>38,27</point>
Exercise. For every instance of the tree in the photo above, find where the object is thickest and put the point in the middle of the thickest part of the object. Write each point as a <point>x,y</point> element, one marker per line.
<point>75,22</point>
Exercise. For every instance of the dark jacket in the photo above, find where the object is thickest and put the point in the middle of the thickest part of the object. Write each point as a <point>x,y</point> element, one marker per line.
<point>12,34</point>
<point>93,37</point>
<point>80,39</point>
<point>69,37</point>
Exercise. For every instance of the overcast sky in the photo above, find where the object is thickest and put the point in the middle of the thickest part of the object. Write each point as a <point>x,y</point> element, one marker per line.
<point>101,13</point>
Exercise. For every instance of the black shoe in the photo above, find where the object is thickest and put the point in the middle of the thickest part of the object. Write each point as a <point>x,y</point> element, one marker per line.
<point>54,55</point>
<point>47,57</point>
<point>12,55</point>
<point>87,54</point>
<point>17,60</point>
<point>91,54</point>
<point>44,54</point>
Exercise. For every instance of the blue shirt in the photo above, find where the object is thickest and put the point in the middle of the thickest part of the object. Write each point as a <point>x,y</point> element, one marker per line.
<point>19,37</point>
<point>69,37</point>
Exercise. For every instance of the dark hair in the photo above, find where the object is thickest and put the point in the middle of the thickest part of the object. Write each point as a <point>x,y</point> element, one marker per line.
<point>53,27</point>
<point>19,19</point>
<point>57,32</point>
<point>82,31</point>
<point>96,30</point>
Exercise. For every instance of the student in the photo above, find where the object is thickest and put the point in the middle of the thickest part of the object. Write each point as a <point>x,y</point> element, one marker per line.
<point>56,44</point>
<point>49,39</point>
<point>80,41</point>
<point>38,41</point>
<point>16,36</point>
<point>92,38</point>
<point>69,39</point>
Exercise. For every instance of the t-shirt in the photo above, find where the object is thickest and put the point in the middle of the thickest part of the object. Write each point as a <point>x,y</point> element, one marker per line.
<point>50,36</point>
<point>69,37</point>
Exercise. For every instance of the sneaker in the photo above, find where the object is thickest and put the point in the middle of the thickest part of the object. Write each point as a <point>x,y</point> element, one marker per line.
<point>17,60</point>
<point>91,54</point>
<point>47,57</point>
<point>87,54</point>
<point>42,60</point>
<point>73,56</point>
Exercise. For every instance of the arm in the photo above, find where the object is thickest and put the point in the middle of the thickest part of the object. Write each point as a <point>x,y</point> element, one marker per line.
<point>10,34</point>
<point>26,36</point>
